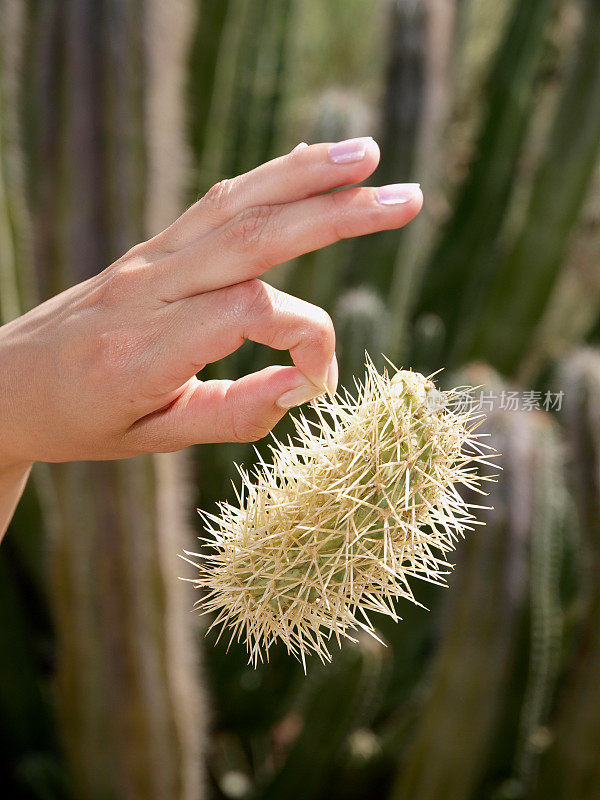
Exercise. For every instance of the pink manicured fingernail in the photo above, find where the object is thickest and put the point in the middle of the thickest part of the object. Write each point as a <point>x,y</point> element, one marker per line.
<point>349,150</point>
<point>300,146</point>
<point>301,394</point>
<point>397,193</point>
<point>331,381</point>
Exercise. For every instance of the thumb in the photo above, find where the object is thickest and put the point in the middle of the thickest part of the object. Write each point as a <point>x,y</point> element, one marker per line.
<point>244,410</point>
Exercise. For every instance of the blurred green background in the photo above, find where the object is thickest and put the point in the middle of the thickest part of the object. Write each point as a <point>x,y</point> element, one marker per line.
<point>116,114</point>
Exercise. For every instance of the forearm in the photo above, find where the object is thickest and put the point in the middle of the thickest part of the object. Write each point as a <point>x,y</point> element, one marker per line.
<point>12,482</point>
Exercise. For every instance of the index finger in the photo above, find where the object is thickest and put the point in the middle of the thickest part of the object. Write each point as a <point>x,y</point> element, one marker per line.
<point>302,173</point>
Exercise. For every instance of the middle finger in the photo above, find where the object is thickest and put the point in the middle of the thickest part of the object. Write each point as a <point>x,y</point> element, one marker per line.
<point>263,236</point>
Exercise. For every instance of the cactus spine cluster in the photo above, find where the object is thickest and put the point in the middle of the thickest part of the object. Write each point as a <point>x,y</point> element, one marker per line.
<point>364,499</point>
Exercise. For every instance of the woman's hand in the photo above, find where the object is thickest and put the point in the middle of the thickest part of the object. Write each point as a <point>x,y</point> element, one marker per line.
<point>107,368</point>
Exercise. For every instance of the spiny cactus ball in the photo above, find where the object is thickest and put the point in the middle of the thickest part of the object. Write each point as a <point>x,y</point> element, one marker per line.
<point>362,500</point>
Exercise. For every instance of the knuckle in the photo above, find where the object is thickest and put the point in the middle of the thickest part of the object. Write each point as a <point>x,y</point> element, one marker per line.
<point>246,429</point>
<point>236,423</point>
<point>253,298</point>
<point>372,212</point>
<point>218,197</point>
<point>340,210</point>
<point>250,228</point>
<point>138,253</point>
<point>118,285</point>
<point>111,355</point>
<point>119,354</point>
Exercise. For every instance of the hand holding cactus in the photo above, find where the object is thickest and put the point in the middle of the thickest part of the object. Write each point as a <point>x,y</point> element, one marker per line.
<point>112,360</point>
<point>107,368</point>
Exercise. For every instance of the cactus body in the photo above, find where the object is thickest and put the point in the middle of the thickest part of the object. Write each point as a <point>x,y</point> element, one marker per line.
<point>467,702</point>
<point>336,525</point>
<point>125,679</point>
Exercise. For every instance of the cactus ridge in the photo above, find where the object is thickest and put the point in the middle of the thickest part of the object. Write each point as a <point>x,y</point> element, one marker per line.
<point>363,499</point>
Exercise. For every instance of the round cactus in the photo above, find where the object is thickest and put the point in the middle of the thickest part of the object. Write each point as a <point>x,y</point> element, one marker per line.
<point>364,499</point>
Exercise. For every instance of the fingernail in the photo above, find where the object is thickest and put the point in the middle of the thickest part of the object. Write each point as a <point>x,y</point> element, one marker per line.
<point>301,394</point>
<point>331,381</point>
<point>300,146</point>
<point>349,150</point>
<point>397,193</point>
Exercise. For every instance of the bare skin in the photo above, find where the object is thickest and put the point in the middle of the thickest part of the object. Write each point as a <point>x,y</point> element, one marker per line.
<point>107,369</point>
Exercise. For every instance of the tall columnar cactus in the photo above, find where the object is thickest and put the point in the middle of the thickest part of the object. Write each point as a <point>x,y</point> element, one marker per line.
<point>400,121</point>
<point>466,244</point>
<point>101,147</point>
<point>24,712</point>
<point>15,230</point>
<point>334,528</point>
<point>524,278</point>
<point>423,155</point>
<point>574,307</point>
<point>570,768</point>
<point>550,511</point>
<point>247,88</point>
<point>471,675</point>
<point>326,715</point>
